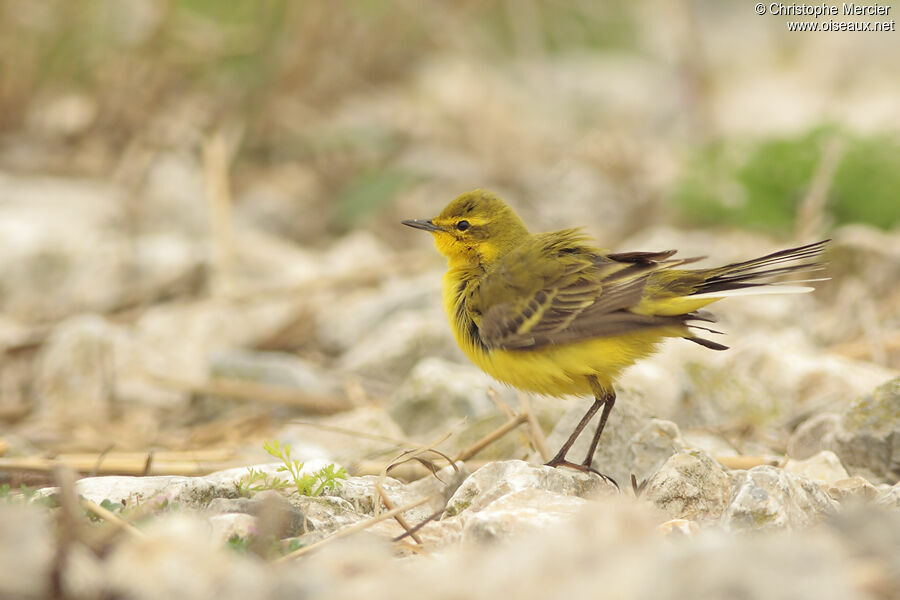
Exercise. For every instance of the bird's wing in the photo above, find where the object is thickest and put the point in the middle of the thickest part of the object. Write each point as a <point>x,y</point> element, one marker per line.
<point>555,289</point>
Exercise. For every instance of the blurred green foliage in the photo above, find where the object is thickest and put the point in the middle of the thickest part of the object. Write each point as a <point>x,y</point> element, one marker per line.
<point>761,184</point>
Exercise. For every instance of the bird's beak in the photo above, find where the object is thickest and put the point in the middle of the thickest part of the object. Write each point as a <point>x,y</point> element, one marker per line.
<point>423,224</point>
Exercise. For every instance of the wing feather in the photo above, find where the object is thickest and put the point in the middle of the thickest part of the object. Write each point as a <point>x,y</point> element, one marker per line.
<point>568,292</point>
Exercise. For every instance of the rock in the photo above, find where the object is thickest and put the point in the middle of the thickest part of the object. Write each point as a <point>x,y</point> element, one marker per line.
<point>868,438</point>
<point>438,394</point>
<point>498,479</point>
<point>679,528</point>
<point>227,525</point>
<point>690,485</point>
<point>175,558</point>
<point>282,517</point>
<point>519,512</point>
<point>865,436</point>
<point>83,574</point>
<point>807,439</point>
<point>715,565</point>
<point>614,455</point>
<point>391,348</point>
<point>890,497</point>
<point>324,514</point>
<point>162,490</point>
<point>27,549</point>
<point>652,446</point>
<point>351,319</point>
<point>823,468</point>
<point>77,372</point>
<point>769,498</point>
<point>443,484</point>
<point>274,368</point>
<point>852,489</point>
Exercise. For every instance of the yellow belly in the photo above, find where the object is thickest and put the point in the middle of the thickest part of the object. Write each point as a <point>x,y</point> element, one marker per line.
<point>555,370</point>
<point>564,369</point>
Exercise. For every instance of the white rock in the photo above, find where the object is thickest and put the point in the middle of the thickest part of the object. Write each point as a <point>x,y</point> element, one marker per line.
<point>823,468</point>
<point>520,512</point>
<point>614,454</point>
<point>176,558</point>
<point>223,527</point>
<point>852,489</point>
<point>274,368</point>
<point>690,485</point>
<point>352,318</point>
<point>498,479</point>
<point>769,498</point>
<point>862,436</point>
<point>188,492</point>
<point>652,446</point>
<point>391,348</point>
<point>438,394</point>
<point>27,548</point>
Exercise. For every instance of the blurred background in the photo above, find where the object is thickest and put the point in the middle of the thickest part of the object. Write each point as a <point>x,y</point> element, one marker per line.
<point>200,200</point>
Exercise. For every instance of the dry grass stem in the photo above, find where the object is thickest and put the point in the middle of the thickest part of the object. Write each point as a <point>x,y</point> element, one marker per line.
<point>238,389</point>
<point>811,216</point>
<point>390,505</point>
<point>534,428</point>
<point>361,526</point>
<point>112,518</point>
<point>186,463</point>
<point>218,191</point>
<point>500,404</point>
<point>359,434</point>
<point>490,438</point>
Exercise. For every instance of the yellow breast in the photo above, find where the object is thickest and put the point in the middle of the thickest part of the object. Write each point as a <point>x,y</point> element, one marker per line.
<point>552,370</point>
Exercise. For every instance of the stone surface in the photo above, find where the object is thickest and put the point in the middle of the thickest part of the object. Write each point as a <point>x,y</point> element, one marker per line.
<point>852,489</point>
<point>391,348</point>
<point>498,479</point>
<point>890,497</point>
<point>193,492</point>
<point>26,552</point>
<point>283,518</point>
<point>274,368</point>
<point>176,558</point>
<point>769,498</point>
<point>519,512</point>
<point>78,369</point>
<point>865,436</point>
<point>439,394</point>
<point>614,455</point>
<point>351,319</point>
<point>823,468</point>
<point>224,526</point>
<point>652,446</point>
<point>689,485</point>
<point>807,439</point>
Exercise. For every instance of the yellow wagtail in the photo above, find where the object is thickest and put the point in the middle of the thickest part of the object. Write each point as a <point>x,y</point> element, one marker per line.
<point>552,314</point>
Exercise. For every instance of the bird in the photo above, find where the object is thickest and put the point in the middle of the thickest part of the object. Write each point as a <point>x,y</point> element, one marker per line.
<point>552,314</point>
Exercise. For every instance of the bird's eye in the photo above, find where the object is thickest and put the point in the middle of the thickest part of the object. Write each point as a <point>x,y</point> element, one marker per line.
<point>462,225</point>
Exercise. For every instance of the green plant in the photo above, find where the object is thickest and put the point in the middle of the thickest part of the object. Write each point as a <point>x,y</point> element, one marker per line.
<point>306,484</point>
<point>257,481</point>
<point>760,184</point>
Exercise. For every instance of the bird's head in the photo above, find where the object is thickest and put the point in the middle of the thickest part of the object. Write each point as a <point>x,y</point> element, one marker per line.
<point>476,228</point>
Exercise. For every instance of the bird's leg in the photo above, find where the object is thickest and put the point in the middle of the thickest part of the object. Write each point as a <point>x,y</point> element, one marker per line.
<point>609,400</point>
<point>560,458</point>
<point>606,399</point>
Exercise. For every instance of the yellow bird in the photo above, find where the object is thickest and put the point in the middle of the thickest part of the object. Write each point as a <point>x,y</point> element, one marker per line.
<point>552,314</point>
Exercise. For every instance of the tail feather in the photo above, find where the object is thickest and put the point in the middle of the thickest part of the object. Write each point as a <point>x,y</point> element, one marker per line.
<point>755,272</point>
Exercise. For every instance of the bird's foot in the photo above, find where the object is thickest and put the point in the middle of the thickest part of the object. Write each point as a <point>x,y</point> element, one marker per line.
<point>561,462</point>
